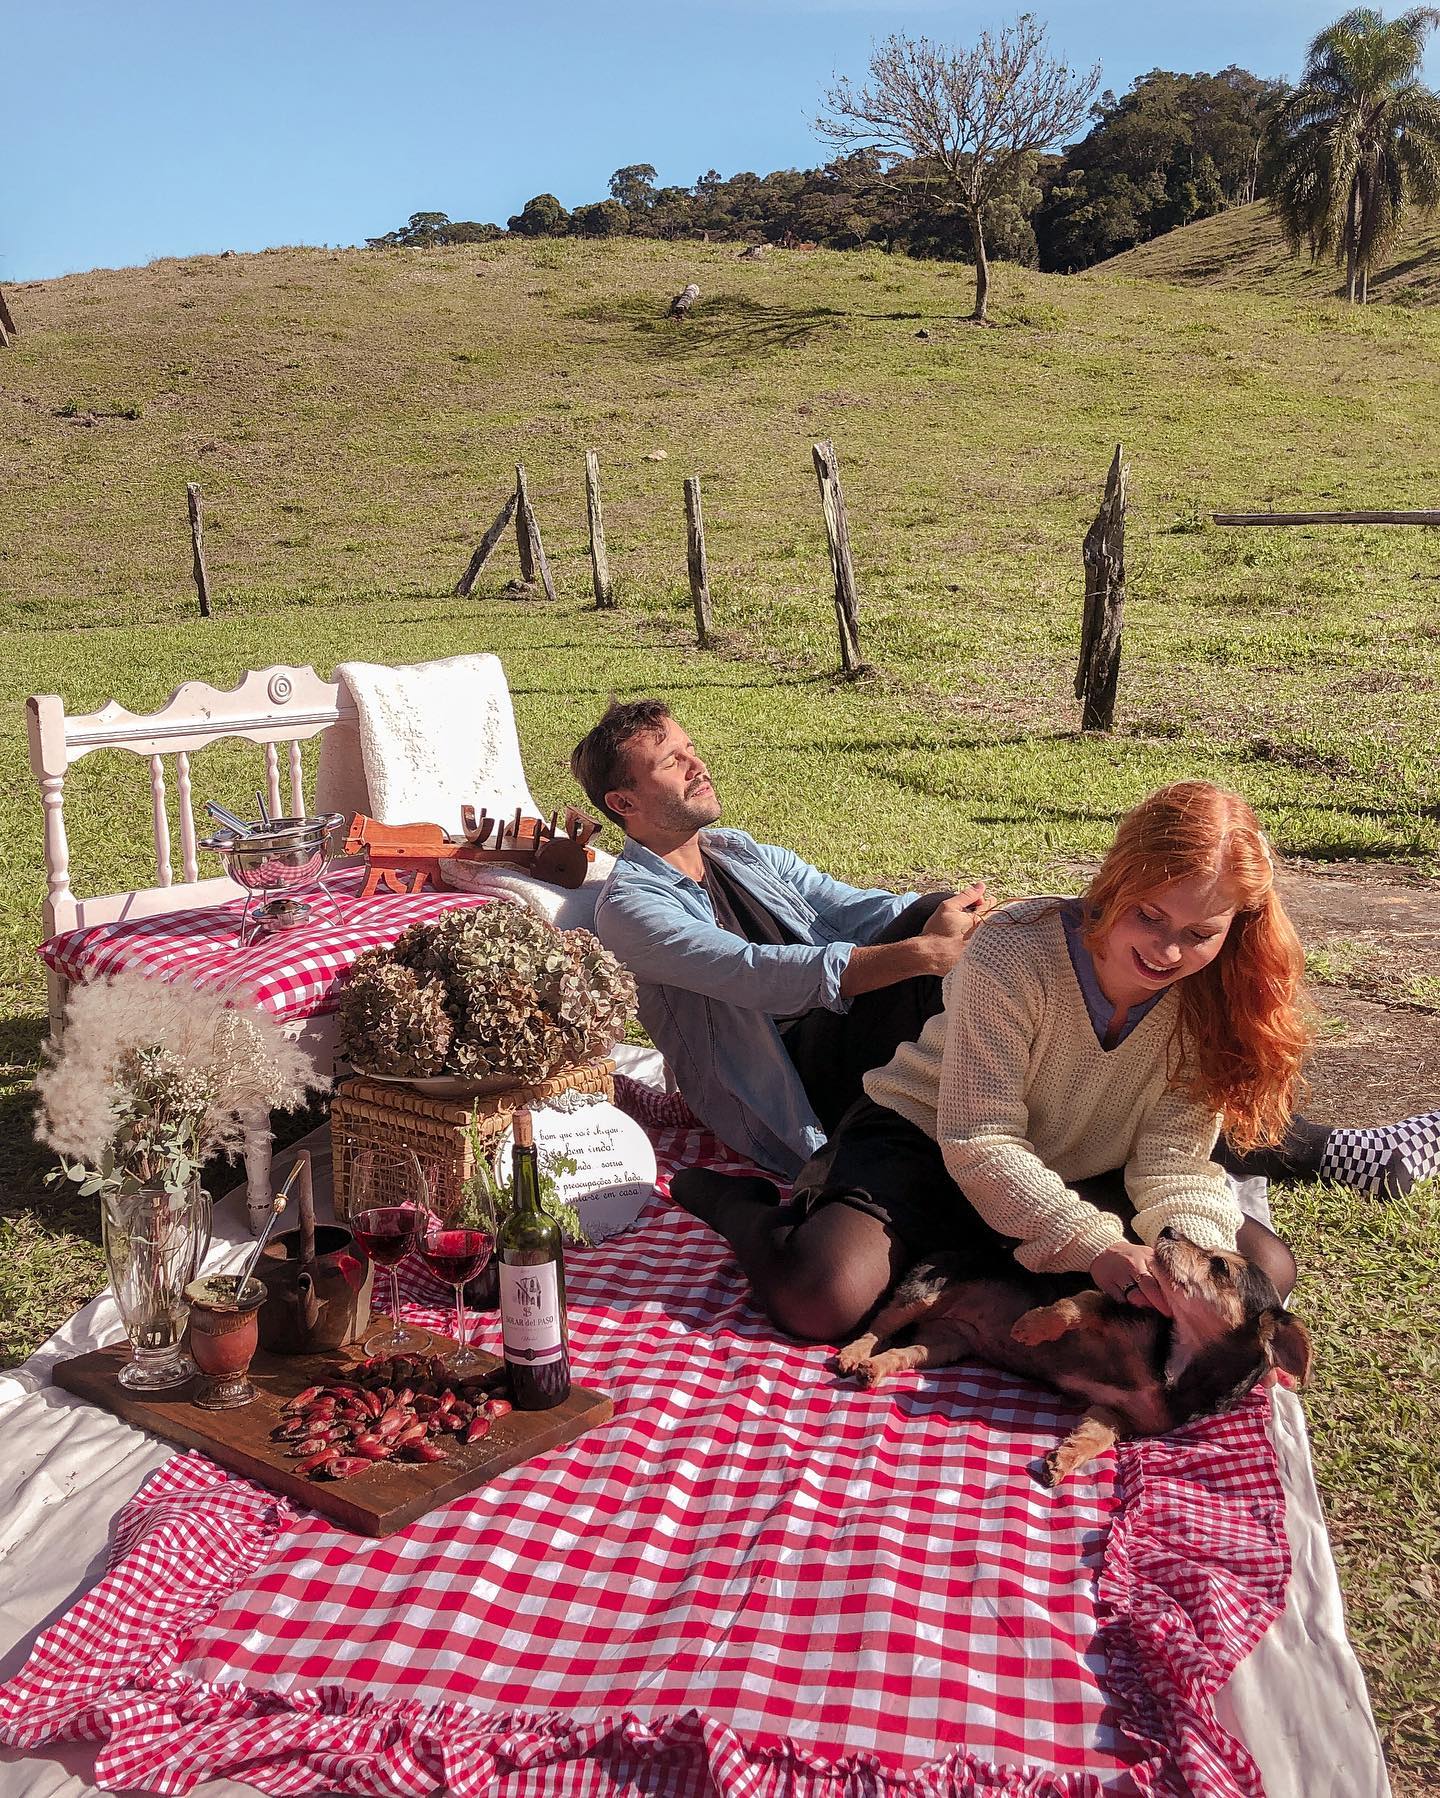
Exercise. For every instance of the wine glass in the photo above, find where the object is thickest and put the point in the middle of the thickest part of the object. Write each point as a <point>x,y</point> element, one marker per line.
<point>456,1252</point>
<point>387,1192</point>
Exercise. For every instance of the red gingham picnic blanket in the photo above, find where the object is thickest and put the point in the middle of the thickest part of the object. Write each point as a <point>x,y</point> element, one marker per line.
<point>293,974</point>
<point>753,1581</point>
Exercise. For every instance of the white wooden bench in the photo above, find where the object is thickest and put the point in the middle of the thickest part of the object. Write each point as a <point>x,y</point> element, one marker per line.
<point>273,708</point>
<point>278,709</point>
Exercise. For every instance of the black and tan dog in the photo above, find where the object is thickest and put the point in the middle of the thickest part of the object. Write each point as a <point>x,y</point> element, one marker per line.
<point>1136,1372</point>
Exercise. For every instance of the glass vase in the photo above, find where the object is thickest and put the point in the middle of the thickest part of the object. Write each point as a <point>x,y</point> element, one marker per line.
<point>154,1244</point>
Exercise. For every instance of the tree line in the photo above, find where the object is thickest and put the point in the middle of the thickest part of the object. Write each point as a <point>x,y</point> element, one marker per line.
<point>1175,148</point>
<point>944,152</point>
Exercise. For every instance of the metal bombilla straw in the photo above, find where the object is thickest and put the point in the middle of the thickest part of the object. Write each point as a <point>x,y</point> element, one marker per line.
<point>228,819</point>
<point>276,1208</point>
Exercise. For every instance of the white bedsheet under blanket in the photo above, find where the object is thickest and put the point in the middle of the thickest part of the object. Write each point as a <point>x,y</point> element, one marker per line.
<point>1298,1702</point>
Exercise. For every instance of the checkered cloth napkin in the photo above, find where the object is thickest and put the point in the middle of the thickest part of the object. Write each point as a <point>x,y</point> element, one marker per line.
<point>293,974</point>
<point>754,1581</point>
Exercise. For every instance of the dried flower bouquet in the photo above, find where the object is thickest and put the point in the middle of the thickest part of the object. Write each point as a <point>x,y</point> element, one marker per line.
<point>490,991</point>
<point>150,1079</point>
<point>147,1082</point>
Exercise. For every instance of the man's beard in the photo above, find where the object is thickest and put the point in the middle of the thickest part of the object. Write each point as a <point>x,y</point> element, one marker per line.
<point>693,812</point>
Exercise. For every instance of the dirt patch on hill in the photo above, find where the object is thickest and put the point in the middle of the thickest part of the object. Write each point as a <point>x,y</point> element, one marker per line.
<point>1373,938</point>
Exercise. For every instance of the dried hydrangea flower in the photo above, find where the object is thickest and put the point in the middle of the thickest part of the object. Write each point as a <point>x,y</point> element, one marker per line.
<point>520,997</point>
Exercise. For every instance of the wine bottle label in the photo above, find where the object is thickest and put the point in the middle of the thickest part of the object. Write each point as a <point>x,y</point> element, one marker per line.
<point>530,1313</point>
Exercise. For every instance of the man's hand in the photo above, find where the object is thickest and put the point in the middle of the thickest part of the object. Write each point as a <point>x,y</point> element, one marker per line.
<point>934,952</point>
<point>959,915</point>
<point>1127,1273</point>
<point>951,925</point>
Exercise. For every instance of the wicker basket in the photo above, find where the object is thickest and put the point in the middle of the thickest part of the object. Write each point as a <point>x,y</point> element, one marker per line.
<point>372,1114</point>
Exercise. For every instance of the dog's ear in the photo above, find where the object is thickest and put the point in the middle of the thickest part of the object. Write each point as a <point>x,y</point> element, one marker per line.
<point>1286,1344</point>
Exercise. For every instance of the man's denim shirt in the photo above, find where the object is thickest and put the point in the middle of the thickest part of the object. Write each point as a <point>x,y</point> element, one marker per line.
<point>708,998</point>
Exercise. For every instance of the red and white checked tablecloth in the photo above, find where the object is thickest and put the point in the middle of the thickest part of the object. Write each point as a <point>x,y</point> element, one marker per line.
<point>754,1581</point>
<point>293,974</point>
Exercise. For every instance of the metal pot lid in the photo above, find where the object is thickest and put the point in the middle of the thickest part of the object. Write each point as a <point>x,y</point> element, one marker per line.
<point>282,833</point>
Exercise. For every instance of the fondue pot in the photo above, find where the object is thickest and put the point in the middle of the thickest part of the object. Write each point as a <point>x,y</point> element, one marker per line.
<point>283,858</point>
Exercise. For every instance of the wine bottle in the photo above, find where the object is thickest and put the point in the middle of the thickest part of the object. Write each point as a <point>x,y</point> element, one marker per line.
<point>532,1286</point>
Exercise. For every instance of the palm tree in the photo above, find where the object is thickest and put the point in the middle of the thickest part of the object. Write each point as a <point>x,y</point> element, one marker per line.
<point>1358,141</point>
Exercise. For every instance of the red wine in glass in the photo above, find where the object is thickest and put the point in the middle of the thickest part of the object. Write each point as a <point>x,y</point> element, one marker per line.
<point>385,1190</point>
<point>455,1254</point>
<point>385,1233</point>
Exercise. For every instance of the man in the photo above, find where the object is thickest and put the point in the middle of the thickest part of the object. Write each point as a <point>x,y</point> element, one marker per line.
<point>770,988</point>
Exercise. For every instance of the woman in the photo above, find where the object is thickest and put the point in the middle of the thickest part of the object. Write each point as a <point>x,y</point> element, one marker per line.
<point>1064,1106</point>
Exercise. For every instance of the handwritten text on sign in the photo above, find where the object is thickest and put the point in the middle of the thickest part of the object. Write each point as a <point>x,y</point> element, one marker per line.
<point>615,1177</point>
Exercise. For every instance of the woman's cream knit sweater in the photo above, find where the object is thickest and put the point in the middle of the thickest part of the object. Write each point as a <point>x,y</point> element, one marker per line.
<point>1010,1079</point>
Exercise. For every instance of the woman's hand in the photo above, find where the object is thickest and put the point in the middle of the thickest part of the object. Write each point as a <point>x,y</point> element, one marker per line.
<point>1127,1273</point>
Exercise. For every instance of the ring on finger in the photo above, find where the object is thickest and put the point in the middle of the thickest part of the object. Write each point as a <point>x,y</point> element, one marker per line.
<point>1125,1291</point>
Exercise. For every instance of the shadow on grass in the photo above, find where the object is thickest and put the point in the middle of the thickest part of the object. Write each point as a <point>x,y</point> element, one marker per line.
<point>1341,848</point>
<point>764,681</point>
<point>23,1162</point>
<point>730,325</point>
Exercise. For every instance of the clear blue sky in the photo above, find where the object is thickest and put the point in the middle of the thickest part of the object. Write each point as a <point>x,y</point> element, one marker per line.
<point>144,128</point>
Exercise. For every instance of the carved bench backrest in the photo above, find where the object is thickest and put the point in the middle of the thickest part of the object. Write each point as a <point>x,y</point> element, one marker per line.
<point>271,707</point>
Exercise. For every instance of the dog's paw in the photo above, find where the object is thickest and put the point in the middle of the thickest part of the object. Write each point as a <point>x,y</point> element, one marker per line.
<point>852,1358</point>
<point>1044,1324</point>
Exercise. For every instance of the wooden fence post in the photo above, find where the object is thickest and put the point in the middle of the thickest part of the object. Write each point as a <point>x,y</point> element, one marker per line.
<point>522,528</point>
<point>837,531</point>
<point>197,546</point>
<point>599,561</point>
<point>1428,518</point>
<point>487,544</point>
<point>1098,673</point>
<point>695,559</point>
<point>527,536</point>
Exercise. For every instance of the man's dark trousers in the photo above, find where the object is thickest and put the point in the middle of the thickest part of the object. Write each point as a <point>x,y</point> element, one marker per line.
<point>833,1051</point>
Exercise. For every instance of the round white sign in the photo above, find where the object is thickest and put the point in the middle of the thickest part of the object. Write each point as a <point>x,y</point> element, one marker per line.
<point>615,1163</point>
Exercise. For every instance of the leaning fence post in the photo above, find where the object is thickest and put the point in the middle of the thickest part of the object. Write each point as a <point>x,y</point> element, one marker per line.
<point>599,561</point>
<point>197,546</point>
<point>486,546</point>
<point>695,559</point>
<point>1098,674</point>
<point>837,531</point>
<point>527,537</point>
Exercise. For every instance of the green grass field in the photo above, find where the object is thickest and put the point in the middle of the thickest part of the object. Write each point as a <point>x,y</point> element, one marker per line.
<point>354,420</point>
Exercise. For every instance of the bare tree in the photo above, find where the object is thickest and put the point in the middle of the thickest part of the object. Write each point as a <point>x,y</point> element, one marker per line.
<point>971,114</point>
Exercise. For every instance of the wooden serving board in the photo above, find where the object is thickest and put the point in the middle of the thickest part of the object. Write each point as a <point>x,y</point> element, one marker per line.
<point>385,1497</point>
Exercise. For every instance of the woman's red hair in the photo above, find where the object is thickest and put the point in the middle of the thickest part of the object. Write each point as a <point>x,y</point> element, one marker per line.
<point>1244,1026</point>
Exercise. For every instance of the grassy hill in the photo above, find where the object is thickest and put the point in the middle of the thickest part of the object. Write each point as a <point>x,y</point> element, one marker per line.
<point>354,420</point>
<point>1243,250</point>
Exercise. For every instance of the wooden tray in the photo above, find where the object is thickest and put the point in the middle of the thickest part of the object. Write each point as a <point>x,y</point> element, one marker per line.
<point>374,1503</point>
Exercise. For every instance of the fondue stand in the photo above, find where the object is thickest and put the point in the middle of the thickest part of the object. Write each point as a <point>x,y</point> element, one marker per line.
<point>281,863</point>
